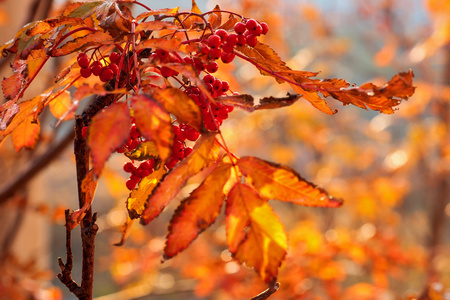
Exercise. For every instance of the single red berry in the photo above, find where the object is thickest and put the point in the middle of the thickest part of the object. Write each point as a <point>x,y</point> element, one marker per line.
<point>129,167</point>
<point>192,134</point>
<point>162,54</point>
<point>257,31</point>
<point>227,57</point>
<point>172,162</point>
<point>114,57</point>
<point>178,149</point>
<point>187,151</point>
<point>83,61</point>
<point>227,48</point>
<point>214,41</point>
<point>217,85</point>
<point>229,108</point>
<point>212,67</point>
<point>225,86</point>
<point>149,164</point>
<point>96,68</point>
<point>188,60</point>
<point>114,68</point>
<point>265,27</point>
<point>222,33</point>
<point>85,72</point>
<point>133,145</point>
<point>131,184</point>
<point>209,79</point>
<point>205,50</point>
<point>251,24</point>
<point>106,75</point>
<point>242,40</point>
<point>239,28</point>
<point>222,113</point>
<point>232,39</point>
<point>252,40</point>
<point>209,122</point>
<point>134,133</point>
<point>215,53</point>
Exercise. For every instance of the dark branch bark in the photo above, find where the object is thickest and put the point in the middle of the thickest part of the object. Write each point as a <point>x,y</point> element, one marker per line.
<point>267,293</point>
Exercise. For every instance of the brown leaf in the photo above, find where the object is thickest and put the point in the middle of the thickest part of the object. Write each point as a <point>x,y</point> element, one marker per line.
<point>154,123</point>
<point>178,176</point>
<point>275,102</point>
<point>144,151</point>
<point>229,24</point>
<point>245,101</point>
<point>273,181</point>
<point>109,129</point>
<point>197,212</point>
<point>255,235</point>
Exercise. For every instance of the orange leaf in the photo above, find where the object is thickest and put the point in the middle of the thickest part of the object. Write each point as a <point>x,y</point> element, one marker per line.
<point>197,212</point>
<point>11,85</point>
<point>255,236</point>
<point>154,25</point>
<point>109,129</point>
<point>154,123</point>
<point>7,112</point>
<point>161,43</point>
<point>215,18</point>
<point>138,197</point>
<point>97,38</point>
<point>144,151</point>
<point>181,105</point>
<point>178,176</point>
<point>229,24</point>
<point>282,183</point>
<point>88,187</point>
<point>60,105</point>
<point>26,134</point>
<point>313,98</point>
<point>45,26</point>
<point>163,11</point>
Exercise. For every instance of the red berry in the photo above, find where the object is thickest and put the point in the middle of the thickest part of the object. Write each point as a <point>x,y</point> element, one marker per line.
<point>241,40</point>
<point>257,31</point>
<point>113,57</point>
<point>229,108</point>
<point>232,39</point>
<point>251,24</point>
<point>215,53</point>
<point>106,75</point>
<point>239,28</point>
<point>114,68</point>
<point>225,86</point>
<point>214,41</point>
<point>265,27</point>
<point>252,40</point>
<point>84,131</point>
<point>192,134</point>
<point>212,67</point>
<point>227,48</point>
<point>162,54</point>
<point>179,134</point>
<point>96,68</point>
<point>209,79</point>
<point>85,72</point>
<point>227,57</point>
<point>131,184</point>
<point>134,133</point>
<point>178,149</point>
<point>188,60</point>
<point>172,162</point>
<point>217,85</point>
<point>83,60</point>
<point>129,167</point>
<point>209,122</point>
<point>187,151</point>
<point>222,33</point>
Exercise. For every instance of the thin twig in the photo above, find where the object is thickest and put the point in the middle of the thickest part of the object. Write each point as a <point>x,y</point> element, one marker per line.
<point>267,293</point>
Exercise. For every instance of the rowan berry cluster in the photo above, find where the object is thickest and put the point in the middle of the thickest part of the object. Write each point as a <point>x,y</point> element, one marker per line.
<point>137,173</point>
<point>106,70</point>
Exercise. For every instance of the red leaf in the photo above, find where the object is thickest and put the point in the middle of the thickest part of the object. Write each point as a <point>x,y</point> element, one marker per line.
<point>197,212</point>
<point>109,129</point>
<point>255,236</point>
<point>178,176</point>
<point>11,85</point>
<point>154,123</point>
<point>97,38</point>
<point>278,182</point>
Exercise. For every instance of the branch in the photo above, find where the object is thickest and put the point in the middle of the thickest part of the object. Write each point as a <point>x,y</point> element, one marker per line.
<point>267,293</point>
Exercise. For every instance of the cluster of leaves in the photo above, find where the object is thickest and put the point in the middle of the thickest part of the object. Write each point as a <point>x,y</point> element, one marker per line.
<point>157,99</point>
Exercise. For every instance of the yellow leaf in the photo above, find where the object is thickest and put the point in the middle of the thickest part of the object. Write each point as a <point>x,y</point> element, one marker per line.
<point>26,134</point>
<point>61,105</point>
<point>255,236</point>
<point>144,151</point>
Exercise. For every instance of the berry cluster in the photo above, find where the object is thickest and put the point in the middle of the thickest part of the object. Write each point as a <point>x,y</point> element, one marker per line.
<point>137,173</point>
<point>102,68</point>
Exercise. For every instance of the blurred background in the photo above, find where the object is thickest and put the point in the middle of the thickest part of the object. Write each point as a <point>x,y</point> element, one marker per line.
<point>390,239</point>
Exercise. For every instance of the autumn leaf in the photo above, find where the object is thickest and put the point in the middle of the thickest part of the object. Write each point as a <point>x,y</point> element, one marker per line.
<point>47,25</point>
<point>255,236</point>
<point>26,134</point>
<point>278,182</point>
<point>161,43</point>
<point>197,212</point>
<point>215,18</point>
<point>181,105</point>
<point>163,11</point>
<point>144,151</point>
<point>60,105</point>
<point>7,112</point>
<point>229,24</point>
<point>96,38</point>
<point>109,129</point>
<point>246,102</point>
<point>172,183</point>
<point>11,85</point>
<point>154,123</point>
<point>138,197</point>
<point>88,188</point>
<point>154,26</point>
